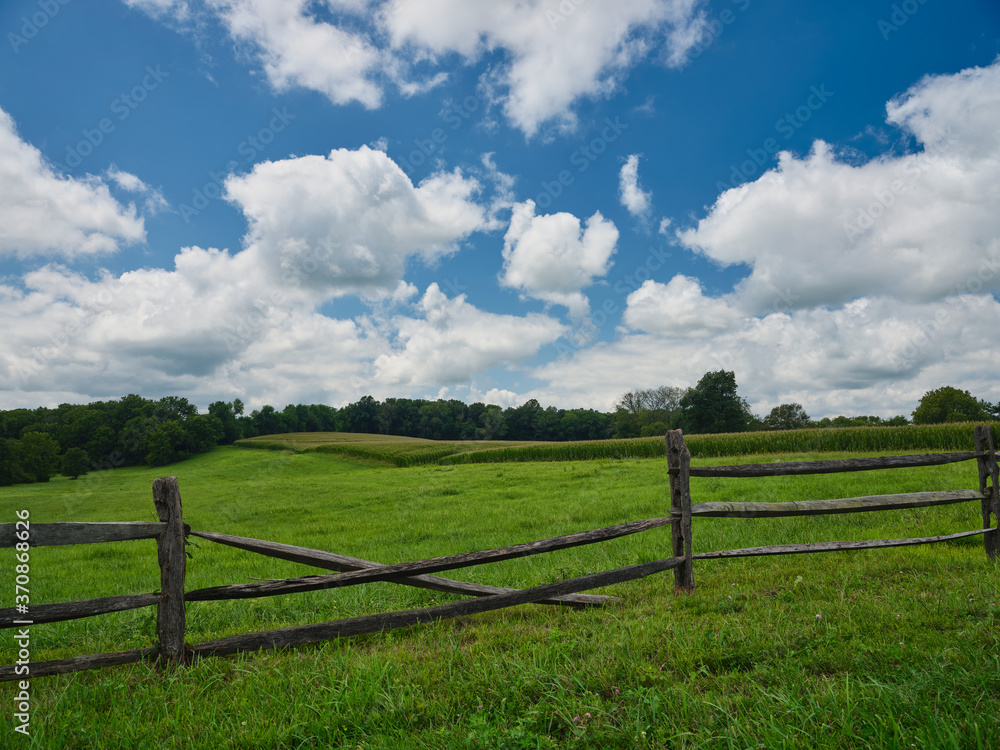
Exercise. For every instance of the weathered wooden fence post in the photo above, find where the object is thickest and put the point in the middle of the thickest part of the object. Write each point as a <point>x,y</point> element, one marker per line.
<point>991,503</point>
<point>679,466</point>
<point>170,553</point>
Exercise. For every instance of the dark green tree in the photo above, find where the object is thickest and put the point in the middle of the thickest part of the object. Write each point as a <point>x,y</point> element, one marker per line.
<point>787,417</point>
<point>10,462</point>
<point>166,444</point>
<point>101,443</point>
<point>362,416</point>
<point>267,421</point>
<point>174,407</point>
<point>714,405</point>
<point>492,425</point>
<point>521,420</point>
<point>650,411</point>
<point>39,455</point>
<point>227,414</point>
<point>202,432</point>
<point>949,404</point>
<point>290,418</point>
<point>74,463</point>
<point>133,441</point>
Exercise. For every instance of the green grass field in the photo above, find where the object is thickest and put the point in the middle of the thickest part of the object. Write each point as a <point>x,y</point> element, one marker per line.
<point>894,648</point>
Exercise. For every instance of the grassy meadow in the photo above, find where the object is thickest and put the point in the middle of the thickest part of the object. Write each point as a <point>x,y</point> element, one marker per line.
<point>893,648</point>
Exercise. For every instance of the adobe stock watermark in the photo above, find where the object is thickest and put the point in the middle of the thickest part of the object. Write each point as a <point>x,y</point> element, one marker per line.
<point>885,197</point>
<point>556,15</point>
<point>715,27</point>
<point>786,126</point>
<point>31,25</point>
<point>122,106</point>
<point>901,13</point>
<point>245,329</point>
<point>784,300</point>
<point>249,148</point>
<point>43,355</point>
<point>22,638</point>
<point>131,441</point>
<point>454,115</point>
<point>584,331</point>
<point>906,356</point>
<point>581,158</point>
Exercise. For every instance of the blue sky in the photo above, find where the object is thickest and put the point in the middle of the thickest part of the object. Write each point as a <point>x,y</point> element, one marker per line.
<point>305,202</point>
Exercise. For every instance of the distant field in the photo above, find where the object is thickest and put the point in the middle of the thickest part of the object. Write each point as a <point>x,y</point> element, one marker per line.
<point>894,648</point>
<point>386,449</point>
<point>406,451</point>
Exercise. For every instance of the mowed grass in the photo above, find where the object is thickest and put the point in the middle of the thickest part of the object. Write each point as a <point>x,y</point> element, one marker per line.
<point>889,648</point>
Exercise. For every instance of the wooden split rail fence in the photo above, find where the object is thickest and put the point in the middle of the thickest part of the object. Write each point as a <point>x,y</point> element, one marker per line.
<point>171,531</point>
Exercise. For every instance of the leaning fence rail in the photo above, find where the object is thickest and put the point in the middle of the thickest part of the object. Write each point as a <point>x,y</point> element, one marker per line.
<point>171,531</point>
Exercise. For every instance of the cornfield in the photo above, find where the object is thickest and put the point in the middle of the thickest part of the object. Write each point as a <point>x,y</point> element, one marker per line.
<point>412,452</point>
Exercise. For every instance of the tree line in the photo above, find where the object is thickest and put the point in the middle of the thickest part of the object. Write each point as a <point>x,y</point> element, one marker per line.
<point>714,405</point>
<point>36,444</point>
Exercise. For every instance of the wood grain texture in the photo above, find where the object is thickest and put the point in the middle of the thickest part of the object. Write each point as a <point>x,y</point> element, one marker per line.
<point>800,549</point>
<point>48,534</point>
<point>421,567</point>
<point>40,613</point>
<point>170,616</point>
<point>79,664</point>
<point>343,563</point>
<point>283,637</point>
<point>679,461</point>
<point>828,507</point>
<point>987,465</point>
<point>831,466</point>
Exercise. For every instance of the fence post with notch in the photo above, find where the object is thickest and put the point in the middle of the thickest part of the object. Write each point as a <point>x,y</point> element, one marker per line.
<point>991,502</point>
<point>170,554</point>
<point>679,467</point>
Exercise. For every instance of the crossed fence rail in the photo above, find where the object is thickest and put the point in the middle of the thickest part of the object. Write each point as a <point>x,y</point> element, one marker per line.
<point>171,531</point>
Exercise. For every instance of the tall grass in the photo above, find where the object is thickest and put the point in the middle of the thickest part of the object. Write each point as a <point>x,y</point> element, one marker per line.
<point>892,648</point>
<point>940,437</point>
<point>404,451</point>
<point>407,454</point>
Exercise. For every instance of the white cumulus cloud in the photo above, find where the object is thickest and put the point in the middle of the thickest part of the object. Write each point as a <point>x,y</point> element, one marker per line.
<point>633,197</point>
<point>297,49</point>
<point>820,230</point>
<point>452,341</point>
<point>348,222</point>
<point>44,213</point>
<point>207,327</point>
<point>870,284</point>
<point>677,308</point>
<point>553,54</point>
<point>552,258</point>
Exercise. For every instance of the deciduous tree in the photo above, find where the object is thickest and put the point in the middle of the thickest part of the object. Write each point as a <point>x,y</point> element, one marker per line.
<point>949,404</point>
<point>74,463</point>
<point>787,417</point>
<point>715,406</point>
<point>39,455</point>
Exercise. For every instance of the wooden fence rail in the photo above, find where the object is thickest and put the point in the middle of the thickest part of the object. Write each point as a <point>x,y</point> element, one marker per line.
<point>171,531</point>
